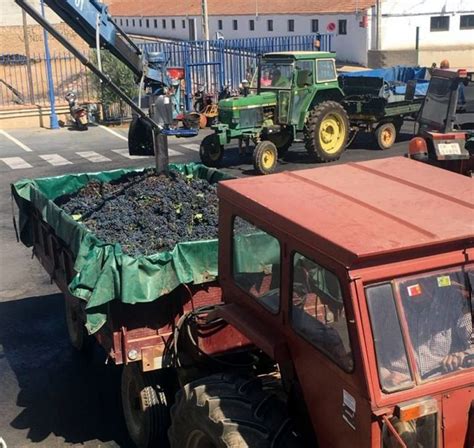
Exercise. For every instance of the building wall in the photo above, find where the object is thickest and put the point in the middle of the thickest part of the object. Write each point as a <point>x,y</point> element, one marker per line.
<point>400,18</point>
<point>350,47</point>
<point>11,13</point>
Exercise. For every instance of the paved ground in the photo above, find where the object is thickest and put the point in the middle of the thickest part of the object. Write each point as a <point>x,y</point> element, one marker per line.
<point>50,397</point>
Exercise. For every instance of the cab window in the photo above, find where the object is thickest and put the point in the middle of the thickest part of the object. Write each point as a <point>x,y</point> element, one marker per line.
<point>304,73</point>
<point>317,312</point>
<point>325,70</point>
<point>256,263</point>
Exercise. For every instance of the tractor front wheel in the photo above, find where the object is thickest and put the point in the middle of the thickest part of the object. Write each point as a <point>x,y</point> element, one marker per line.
<point>326,131</point>
<point>265,157</point>
<point>385,134</point>
<point>211,151</point>
<point>75,321</point>
<point>227,411</point>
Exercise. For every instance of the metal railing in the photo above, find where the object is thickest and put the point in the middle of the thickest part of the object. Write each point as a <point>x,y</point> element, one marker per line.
<point>210,63</point>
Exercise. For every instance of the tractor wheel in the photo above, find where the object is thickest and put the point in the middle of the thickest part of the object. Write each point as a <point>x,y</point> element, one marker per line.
<point>385,135</point>
<point>211,151</point>
<point>282,141</point>
<point>265,157</point>
<point>145,407</point>
<point>326,131</point>
<point>227,411</point>
<point>75,321</point>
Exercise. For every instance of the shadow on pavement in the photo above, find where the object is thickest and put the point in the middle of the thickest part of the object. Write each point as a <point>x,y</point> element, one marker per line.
<point>60,394</point>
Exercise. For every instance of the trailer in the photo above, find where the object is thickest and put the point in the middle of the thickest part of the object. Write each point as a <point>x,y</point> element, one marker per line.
<point>130,306</point>
<point>379,101</point>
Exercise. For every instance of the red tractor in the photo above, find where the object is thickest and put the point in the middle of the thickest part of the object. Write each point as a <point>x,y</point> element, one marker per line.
<point>347,315</point>
<point>441,141</point>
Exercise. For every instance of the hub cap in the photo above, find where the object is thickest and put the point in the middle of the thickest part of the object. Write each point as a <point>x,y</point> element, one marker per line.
<point>268,158</point>
<point>331,133</point>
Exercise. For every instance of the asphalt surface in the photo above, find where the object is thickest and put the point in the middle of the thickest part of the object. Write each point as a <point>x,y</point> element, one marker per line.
<point>50,396</point>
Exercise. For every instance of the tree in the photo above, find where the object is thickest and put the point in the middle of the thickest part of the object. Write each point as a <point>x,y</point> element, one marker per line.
<point>120,75</point>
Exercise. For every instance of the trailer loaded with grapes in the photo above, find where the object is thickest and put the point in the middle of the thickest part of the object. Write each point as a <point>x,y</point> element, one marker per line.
<point>310,337</point>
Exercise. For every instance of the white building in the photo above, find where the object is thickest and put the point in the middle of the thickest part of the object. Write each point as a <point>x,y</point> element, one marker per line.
<point>360,34</point>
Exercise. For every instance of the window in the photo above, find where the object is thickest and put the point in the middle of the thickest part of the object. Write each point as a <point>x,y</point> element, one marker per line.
<point>325,70</point>
<point>183,24</point>
<point>440,23</point>
<point>304,73</point>
<point>140,23</point>
<point>342,26</point>
<point>155,23</point>
<point>219,24</point>
<point>252,25</point>
<point>147,23</point>
<point>163,23</point>
<point>435,311</point>
<point>317,311</point>
<point>467,22</point>
<point>173,23</point>
<point>314,25</point>
<point>256,263</point>
<point>291,25</point>
<point>126,22</point>
<point>234,25</point>
<point>269,25</point>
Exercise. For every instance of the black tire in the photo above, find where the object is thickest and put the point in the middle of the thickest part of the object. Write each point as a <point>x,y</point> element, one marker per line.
<point>282,141</point>
<point>226,411</point>
<point>140,138</point>
<point>75,322</point>
<point>385,135</point>
<point>265,157</point>
<point>211,151</point>
<point>326,131</point>
<point>146,427</point>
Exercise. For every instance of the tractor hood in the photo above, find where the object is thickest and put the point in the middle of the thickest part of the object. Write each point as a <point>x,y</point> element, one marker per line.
<point>252,100</point>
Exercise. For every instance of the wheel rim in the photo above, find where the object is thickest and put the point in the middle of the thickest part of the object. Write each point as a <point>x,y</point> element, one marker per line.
<point>387,136</point>
<point>332,133</point>
<point>197,439</point>
<point>268,159</point>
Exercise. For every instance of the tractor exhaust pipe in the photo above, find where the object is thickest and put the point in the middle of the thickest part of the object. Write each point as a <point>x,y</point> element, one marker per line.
<point>259,73</point>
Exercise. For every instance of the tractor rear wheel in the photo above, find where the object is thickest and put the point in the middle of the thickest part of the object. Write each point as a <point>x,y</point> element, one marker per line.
<point>211,151</point>
<point>385,134</point>
<point>265,157</point>
<point>326,131</point>
<point>228,411</point>
<point>145,406</point>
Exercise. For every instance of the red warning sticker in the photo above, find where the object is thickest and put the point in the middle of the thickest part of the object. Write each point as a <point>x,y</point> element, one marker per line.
<point>414,290</point>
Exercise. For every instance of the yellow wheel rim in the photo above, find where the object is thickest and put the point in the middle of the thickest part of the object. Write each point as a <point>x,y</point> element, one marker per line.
<point>268,159</point>
<point>332,133</point>
<point>387,136</point>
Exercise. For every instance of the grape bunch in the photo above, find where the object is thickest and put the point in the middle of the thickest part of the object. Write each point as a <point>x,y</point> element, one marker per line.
<point>145,212</point>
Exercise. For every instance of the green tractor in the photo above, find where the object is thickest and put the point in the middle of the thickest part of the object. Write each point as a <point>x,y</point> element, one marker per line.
<point>292,94</point>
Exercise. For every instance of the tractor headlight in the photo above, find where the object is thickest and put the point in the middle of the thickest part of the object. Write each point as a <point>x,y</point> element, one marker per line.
<point>414,423</point>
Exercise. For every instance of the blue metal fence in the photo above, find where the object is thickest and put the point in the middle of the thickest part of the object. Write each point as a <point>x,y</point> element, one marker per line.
<point>228,61</point>
<point>210,63</point>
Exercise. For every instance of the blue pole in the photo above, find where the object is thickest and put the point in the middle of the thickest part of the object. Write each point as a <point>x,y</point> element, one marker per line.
<point>54,124</point>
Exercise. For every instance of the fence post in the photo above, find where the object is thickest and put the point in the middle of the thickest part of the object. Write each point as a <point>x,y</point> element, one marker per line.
<point>52,101</point>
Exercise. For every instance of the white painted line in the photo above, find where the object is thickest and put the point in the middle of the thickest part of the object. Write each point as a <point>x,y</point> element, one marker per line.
<point>55,159</point>
<point>191,146</point>
<point>172,152</point>
<point>93,156</point>
<point>16,141</point>
<point>105,128</point>
<point>124,153</point>
<point>16,163</point>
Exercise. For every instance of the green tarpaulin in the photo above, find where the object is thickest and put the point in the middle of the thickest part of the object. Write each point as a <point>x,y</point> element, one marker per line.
<point>104,272</point>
